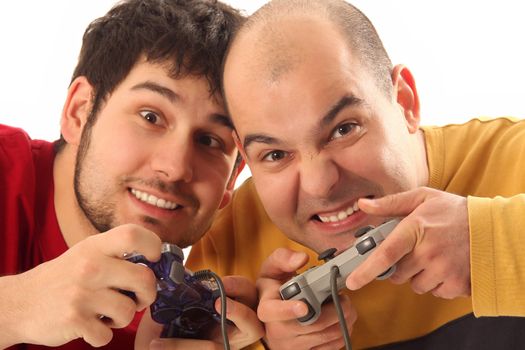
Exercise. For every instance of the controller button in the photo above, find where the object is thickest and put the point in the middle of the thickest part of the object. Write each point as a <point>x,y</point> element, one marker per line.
<point>327,254</point>
<point>310,314</point>
<point>290,291</point>
<point>364,246</point>
<point>362,231</point>
<point>176,272</point>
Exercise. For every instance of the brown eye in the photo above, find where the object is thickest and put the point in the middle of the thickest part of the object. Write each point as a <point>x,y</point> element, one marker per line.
<point>209,141</point>
<point>149,116</point>
<point>274,156</point>
<point>342,130</point>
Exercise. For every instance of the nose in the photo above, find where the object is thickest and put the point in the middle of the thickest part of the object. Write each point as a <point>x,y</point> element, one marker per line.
<point>173,160</point>
<point>319,175</point>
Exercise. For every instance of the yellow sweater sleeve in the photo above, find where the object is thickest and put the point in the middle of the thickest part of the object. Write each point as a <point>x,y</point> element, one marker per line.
<point>497,234</point>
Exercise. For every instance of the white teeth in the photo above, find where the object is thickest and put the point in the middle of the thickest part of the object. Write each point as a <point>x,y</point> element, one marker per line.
<point>151,199</point>
<point>343,214</point>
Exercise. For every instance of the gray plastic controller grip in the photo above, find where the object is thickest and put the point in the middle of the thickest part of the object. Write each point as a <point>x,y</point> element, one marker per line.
<point>313,285</point>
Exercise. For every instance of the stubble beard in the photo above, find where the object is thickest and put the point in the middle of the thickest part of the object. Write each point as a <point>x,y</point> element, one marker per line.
<point>99,212</point>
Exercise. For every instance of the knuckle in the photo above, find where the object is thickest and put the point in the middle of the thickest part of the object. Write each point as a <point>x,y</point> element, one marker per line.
<point>129,234</point>
<point>72,318</point>
<point>147,277</point>
<point>398,278</point>
<point>126,311</point>
<point>330,334</point>
<point>416,287</point>
<point>88,270</point>
<point>388,257</point>
<point>76,297</point>
<point>391,200</point>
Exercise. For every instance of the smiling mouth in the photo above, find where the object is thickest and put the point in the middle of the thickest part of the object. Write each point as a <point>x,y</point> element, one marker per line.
<point>153,200</point>
<point>339,216</point>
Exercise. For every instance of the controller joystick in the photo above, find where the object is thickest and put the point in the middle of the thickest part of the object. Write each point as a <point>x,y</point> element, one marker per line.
<point>185,302</point>
<point>313,286</point>
<point>327,254</point>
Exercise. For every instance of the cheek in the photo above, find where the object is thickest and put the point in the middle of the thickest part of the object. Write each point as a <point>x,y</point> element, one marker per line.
<point>278,193</point>
<point>390,166</point>
<point>211,179</point>
<point>121,149</point>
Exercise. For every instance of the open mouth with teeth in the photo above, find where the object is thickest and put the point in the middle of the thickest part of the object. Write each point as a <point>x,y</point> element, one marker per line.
<point>155,201</point>
<point>339,216</point>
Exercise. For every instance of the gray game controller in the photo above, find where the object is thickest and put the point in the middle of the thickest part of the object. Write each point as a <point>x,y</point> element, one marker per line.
<point>313,285</point>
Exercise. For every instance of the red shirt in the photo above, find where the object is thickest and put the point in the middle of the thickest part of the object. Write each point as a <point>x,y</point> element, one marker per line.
<point>29,231</point>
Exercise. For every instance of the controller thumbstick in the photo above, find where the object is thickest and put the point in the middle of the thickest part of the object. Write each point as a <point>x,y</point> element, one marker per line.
<point>327,254</point>
<point>362,231</point>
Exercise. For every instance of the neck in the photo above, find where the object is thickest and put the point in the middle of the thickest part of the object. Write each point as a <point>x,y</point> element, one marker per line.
<point>71,219</point>
<point>421,159</point>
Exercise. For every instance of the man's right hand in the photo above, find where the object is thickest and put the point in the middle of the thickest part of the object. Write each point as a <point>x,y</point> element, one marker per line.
<point>283,331</point>
<point>78,294</point>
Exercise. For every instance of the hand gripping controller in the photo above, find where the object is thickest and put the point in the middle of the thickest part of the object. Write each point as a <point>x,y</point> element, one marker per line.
<point>185,302</point>
<point>313,285</point>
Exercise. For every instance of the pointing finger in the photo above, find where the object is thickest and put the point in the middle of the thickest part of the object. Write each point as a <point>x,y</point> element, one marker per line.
<point>399,243</point>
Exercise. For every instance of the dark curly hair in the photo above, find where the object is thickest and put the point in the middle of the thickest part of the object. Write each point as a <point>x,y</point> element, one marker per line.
<point>190,35</point>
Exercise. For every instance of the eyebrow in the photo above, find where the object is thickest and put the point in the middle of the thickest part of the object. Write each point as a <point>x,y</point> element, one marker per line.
<point>260,138</point>
<point>173,97</point>
<point>344,102</point>
<point>162,90</point>
<point>222,120</point>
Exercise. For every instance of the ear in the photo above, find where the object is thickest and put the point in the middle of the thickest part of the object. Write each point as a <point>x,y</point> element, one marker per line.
<point>76,110</point>
<point>228,193</point>
<point>405,93</point>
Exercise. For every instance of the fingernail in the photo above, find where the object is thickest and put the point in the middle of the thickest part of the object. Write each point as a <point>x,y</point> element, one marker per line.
<point>229,306</point>
<point>300,309</point>
<point>368,201</point>
<point>350,284</point>
<point>296,259</point>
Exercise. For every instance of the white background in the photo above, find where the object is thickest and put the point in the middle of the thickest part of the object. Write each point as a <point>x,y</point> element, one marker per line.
<point>467,56</point>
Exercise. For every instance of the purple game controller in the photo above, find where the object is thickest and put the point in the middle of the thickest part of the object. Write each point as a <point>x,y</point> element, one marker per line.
<point>185,302</point>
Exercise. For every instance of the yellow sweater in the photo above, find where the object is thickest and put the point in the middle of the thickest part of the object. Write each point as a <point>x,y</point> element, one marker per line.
<point>484,160</point>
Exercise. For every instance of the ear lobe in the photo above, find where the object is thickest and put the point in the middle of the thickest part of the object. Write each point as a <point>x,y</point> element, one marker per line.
<point>76,110</point>
<point>406,96</point>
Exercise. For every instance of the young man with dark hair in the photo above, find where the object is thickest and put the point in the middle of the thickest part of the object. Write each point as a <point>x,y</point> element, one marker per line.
<point>145,156</point>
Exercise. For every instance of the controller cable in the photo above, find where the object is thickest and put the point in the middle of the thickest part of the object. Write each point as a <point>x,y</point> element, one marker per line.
<point>334,273</point>
<point>210,274</point>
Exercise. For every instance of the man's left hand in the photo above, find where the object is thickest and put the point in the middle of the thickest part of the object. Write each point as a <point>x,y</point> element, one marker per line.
<point>240,310</point>
<point>430,246</point>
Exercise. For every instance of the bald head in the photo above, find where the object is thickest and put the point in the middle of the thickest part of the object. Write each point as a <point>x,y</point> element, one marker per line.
<point>272,34</point>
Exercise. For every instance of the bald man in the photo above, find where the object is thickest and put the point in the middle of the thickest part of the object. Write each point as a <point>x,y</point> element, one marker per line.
<point>331,132</point>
